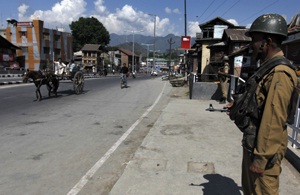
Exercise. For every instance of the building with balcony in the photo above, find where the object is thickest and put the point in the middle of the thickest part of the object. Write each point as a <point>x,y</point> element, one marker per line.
<point>91,54</point>
<point>39,46</point>
<point>218,38</point>
<point>211,33</point>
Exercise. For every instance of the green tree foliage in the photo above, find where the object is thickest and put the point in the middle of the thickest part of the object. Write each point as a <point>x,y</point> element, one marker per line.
<point>88,31</point>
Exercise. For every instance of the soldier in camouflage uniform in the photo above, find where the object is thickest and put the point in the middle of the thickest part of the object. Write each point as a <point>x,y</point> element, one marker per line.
<point>224,79</point>
<point>261,168</point>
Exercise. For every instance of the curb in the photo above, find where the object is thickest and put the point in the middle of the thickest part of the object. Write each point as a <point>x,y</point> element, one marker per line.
<point>10,75</point>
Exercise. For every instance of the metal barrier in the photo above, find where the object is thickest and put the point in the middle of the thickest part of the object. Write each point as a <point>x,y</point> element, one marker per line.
<point>295,127</point>
<point>235,83</point>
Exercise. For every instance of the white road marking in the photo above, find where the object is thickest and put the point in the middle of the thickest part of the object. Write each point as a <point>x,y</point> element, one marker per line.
<point>83,181</point>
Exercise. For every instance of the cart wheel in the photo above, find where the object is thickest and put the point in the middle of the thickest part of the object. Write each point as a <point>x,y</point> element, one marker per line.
<point>78,82</point>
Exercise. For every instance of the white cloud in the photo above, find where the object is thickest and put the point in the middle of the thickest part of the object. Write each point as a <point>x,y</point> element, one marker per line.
<point>62,13</point>
<point>193,28</point>
<point>170,11</point>
<point>22,11</point>
<point>128,19</point>
<point>233,21</point>
<point>176,11</point>
<point>116,21</point>
<point>99,6</point>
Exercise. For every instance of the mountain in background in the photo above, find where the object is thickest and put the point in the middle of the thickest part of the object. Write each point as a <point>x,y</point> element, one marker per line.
<point>161,43</point>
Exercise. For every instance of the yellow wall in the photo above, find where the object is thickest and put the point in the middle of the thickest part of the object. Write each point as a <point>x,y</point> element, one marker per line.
<point>205,60</point>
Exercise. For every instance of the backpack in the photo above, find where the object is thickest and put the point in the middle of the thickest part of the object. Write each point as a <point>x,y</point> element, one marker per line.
<point>244,111</point>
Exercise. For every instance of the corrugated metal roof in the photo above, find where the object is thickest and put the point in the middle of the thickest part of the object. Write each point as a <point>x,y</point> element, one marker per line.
<point>237,34</point>
<point>127,52</point>
<point>91,47</point>
<point>294,25</point>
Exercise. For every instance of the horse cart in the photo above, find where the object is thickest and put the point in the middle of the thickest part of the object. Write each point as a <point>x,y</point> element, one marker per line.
<point>177,82</point>
<point>77,77</point>
<point>51,80</point>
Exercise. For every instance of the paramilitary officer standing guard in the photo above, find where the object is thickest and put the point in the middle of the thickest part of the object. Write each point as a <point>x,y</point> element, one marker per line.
<point>264,128</point>
<point>224,79</point>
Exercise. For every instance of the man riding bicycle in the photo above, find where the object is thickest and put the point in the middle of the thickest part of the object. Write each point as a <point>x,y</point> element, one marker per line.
<point>124,74</point>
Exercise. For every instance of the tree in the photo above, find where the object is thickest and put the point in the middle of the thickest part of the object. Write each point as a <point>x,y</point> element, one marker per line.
<point>88,31</point>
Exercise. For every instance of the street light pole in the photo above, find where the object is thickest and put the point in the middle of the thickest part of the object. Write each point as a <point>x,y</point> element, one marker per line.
<point>154,37</point>
<point>132,66</point>
<point>147,54</point>
<point>132,52</point>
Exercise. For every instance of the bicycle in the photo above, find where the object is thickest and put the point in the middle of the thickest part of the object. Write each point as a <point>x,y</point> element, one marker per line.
<point>123,80</point>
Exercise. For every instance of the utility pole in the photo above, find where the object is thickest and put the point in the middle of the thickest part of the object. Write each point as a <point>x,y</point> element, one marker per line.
<point>185,18</point>
<point>147,55</point>
<point>133,60</point>
<point>154,37</point>
<point>185,33</point>
<point>171,42</point>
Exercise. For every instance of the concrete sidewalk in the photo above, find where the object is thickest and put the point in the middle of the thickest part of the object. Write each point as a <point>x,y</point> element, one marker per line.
<point>192,151</point>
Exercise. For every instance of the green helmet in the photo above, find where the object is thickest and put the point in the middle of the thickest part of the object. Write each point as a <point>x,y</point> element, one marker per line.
<point>269,23</point>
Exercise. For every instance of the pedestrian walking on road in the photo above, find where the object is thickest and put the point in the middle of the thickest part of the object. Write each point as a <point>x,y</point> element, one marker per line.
<point>265,136</point>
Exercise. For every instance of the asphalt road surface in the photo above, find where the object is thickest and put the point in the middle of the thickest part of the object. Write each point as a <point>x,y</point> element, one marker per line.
<point>74,144</point>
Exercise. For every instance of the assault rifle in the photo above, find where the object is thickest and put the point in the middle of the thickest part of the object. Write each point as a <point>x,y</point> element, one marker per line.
<point>212,109</point>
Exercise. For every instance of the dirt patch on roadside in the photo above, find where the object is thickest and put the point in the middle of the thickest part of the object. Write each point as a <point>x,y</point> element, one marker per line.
<point>180,92</point>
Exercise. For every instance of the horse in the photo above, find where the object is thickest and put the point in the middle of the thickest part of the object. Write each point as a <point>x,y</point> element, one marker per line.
<point>42,78</point>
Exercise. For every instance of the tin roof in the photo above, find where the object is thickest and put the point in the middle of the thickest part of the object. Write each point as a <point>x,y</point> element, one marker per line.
<point>236,34</point>
<point>91,47</point>
<point>294,24</point>
<point>127,52</point>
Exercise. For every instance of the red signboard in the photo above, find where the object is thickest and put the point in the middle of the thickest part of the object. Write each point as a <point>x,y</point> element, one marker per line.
<point>185,42</point>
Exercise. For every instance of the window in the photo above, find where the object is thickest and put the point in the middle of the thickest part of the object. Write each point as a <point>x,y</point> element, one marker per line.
<point>22,34</point>
<point>57,51</point>
<point>46,50</point>
<point>24,50</point>
<point>57,37</point>
<point>46,36</point>
<point>208,33</point>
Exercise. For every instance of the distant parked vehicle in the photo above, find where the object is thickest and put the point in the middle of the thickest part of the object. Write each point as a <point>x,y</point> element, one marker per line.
<point>164,77</point>
<point>153,73</point>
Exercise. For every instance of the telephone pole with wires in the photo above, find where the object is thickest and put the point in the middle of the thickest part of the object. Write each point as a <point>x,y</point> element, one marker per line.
<point>171,42</point>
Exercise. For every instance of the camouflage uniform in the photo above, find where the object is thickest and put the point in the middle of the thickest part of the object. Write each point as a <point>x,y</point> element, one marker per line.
<point>273,97</point>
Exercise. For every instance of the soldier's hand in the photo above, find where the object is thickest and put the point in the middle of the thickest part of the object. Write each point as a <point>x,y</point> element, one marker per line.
<point>257,170</point>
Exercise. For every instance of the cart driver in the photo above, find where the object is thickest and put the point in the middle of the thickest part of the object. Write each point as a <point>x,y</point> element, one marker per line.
<point>59,67</point>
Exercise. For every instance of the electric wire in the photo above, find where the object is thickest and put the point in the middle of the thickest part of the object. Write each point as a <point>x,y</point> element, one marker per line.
<point>207,8</point>
<point>230,8</point>
<point>215,10</point>
<point>259,11</point>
